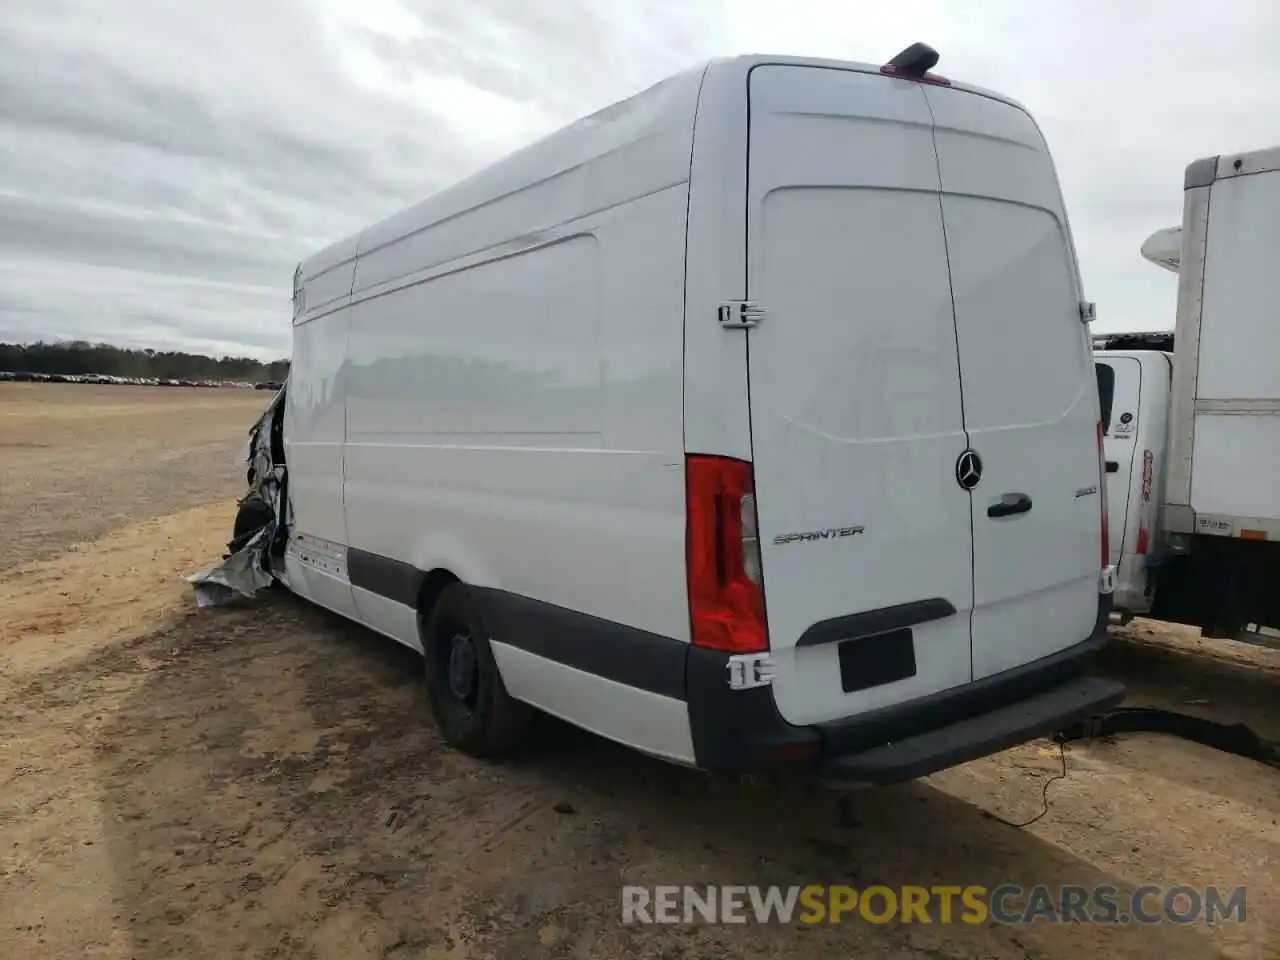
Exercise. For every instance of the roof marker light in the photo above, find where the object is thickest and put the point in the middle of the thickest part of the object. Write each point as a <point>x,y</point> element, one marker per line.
<point>914,63</point>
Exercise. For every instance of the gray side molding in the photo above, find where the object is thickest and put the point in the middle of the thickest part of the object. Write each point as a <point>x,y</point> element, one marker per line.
<point>1200,173</point>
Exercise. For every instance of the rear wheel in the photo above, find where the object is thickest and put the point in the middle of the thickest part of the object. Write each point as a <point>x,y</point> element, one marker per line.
<point>470,703</point>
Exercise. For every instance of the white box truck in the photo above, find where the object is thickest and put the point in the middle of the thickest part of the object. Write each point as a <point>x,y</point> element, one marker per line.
<point>1210,554</point>
<point>749,420</point>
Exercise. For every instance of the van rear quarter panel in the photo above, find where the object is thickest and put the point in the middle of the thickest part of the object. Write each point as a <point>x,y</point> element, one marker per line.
<point>514,389</point>
<point>716,399</point>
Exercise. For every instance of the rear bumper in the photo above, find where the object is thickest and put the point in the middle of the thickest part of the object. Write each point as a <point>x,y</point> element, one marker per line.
<point>978,736</point>
<point>742,730</point>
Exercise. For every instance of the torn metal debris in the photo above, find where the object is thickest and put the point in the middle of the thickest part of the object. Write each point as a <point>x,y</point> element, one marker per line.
<point>247,567</point>
<point>242,573</point>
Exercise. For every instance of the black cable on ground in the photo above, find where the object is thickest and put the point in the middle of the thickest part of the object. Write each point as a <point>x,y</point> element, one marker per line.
<point>1236,739</point>
<point>1044,794</point>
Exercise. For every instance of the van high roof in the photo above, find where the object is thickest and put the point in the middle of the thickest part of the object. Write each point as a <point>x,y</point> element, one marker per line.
<point>665,109</point>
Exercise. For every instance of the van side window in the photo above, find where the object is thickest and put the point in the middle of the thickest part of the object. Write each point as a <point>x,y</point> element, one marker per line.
<point>1106,392</point>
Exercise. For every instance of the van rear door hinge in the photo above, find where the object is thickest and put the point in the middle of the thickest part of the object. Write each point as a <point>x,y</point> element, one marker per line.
<point>740,314</point>
<point>750,670</point>
<point>1088,312</point>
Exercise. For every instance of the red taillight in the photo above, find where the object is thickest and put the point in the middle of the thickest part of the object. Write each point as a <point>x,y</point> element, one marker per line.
<point>1102,499</point>
<point>726,601</point>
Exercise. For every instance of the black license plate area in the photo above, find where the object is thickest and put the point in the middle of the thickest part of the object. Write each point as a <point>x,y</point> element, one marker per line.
<point>873,661</point>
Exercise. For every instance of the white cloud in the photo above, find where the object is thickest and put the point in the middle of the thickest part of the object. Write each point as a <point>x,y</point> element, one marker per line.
<point>164,166</point>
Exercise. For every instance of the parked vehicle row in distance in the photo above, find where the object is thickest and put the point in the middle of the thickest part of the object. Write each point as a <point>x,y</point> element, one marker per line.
<point>102,378</point>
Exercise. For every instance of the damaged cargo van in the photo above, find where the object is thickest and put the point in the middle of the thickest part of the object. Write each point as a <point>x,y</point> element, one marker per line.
<point>751,419</point>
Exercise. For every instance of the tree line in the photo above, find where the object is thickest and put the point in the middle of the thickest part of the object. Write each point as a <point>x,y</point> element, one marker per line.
<point>80,357</point>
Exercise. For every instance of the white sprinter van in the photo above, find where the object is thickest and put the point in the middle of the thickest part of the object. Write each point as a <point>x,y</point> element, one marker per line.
<point>750,419</point>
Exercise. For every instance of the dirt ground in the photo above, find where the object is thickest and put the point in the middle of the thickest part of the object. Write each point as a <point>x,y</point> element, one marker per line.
<point>265,781</point>
<point>78,461</point>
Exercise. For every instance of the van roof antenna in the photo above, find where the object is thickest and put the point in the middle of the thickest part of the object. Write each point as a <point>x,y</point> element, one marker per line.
<point>914,63</point>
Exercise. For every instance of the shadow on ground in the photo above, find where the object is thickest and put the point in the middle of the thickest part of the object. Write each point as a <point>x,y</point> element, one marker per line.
<point>272,786</point>
<point>1181,680</point>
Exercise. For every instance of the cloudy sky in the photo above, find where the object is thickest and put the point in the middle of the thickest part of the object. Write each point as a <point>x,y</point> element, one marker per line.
<point>163,166</point>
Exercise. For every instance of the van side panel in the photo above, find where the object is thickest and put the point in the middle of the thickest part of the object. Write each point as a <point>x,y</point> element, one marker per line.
<point>518,423</point>
<point>514,417</point>
<point>314,428</point>
<point>507,351</point>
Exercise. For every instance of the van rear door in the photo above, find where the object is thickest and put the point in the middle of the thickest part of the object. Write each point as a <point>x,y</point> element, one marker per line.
<point>856,419</point>
<point>1119,448</point>
<point>1030,394</point>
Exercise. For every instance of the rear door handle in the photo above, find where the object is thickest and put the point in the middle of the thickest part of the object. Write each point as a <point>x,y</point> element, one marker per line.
<point>1009,505</point>
<point>1113,466</point>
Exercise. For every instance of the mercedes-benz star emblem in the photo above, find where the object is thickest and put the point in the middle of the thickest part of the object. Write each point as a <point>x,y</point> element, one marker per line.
<point>969,470</point>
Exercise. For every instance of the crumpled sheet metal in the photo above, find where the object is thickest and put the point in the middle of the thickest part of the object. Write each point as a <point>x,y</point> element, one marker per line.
<point>242,574</point>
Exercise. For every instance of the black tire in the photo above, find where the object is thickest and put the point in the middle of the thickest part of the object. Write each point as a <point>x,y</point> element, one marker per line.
<point>471,705</point>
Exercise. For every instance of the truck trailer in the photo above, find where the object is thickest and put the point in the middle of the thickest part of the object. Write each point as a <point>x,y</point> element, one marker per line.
<point>1206,551</point>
